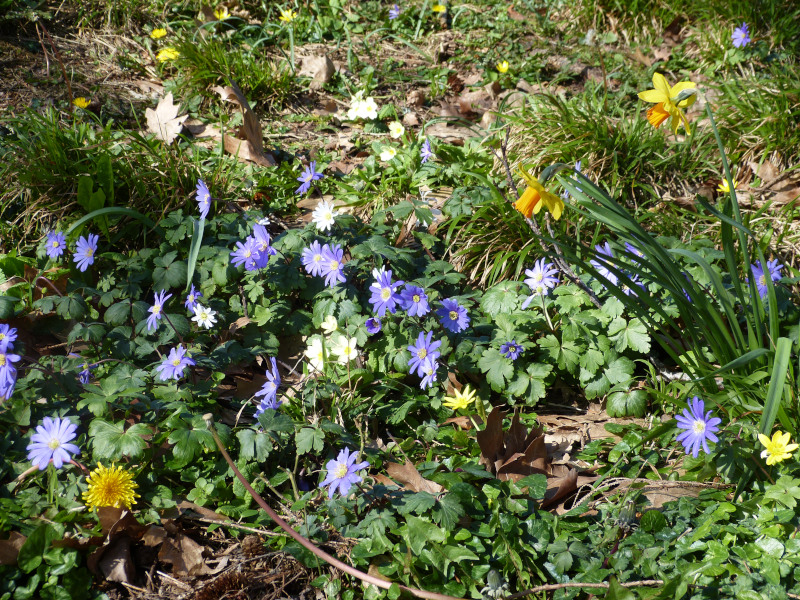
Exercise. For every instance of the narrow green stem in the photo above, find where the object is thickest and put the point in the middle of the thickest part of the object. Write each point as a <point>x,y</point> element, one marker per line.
<point>291,47</point>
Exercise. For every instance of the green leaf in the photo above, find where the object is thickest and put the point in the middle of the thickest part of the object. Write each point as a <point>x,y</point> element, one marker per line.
<point>419,532</point>
<point>652,521</point>
<point>448,511</point>
<point>308,439</point>
<point>253,444</point>
<point>111,441</point>
<point>194,250</point>
<point>631,335</point>
<point>172,274</point>
<point>273,420</point>
<point>419,503</point>
<point>501,298</point>
<point>71,307</point>
<point>32,551</point>
<point>566,353</point>
<point>620,371</point>
<point>497,367</point>
<point>627,404</point>
<point>617,592</point>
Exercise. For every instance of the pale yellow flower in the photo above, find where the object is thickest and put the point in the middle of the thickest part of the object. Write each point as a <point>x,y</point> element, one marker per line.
<point>168,53</point>
<point>81,102</point>
<point>396,129</point>
<point>724,188</point>
<point>778,448</point>
<point>535,195</point>
<point>388,154</point>
<point>158,33</point>
<point>329,325</point>
<point>222,13</point>
<point>667,103</point>
<point>503,66</point>
<point>439,8</point>
<point>288,15</point>
<point>110,487</point>
<point>460,399</point>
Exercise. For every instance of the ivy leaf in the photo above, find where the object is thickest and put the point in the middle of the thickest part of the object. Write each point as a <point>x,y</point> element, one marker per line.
<point>501,298</point>
<point>631,335</point>
<point>497,367</point>
<point>111,441</point>
<point>308,439</point>
<point>627,404</point>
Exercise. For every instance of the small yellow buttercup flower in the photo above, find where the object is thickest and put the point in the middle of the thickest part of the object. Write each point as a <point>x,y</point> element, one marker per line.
<point>81,102</point>
<point>667,103</point>
<point>158,33</point>
<point>288,15</point>
<point>110,487</point>
<point>222,13</point>
<point>778,448</point>
<point>725,188</point>
<point>503,66</point>
<point>439,8</point>
<point>168,53</point>
<point>460,399</point>
<point>530,203</point>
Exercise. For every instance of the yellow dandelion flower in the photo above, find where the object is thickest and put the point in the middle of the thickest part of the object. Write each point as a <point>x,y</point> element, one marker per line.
<point>288,15</point>
<point>667,103</point>
<point>222,13</point>
<point>503,66</point>
<point>81,102</point>
<point>778,448</point>
<point>168,53</point>
<point>460,400</point>
<point>110,487</point>
<point>158,33</point>
<point>439,8</point>
<point>530,203</point>
<point>724,188</point>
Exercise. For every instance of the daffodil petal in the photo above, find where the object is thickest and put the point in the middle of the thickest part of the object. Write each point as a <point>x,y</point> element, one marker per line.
<point>654,96</point>
<point>660,83</point>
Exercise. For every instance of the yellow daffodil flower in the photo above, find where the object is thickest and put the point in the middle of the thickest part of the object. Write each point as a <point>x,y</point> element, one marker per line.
<point>724,188</point>
<point>222,13</point>
<point>158,33</point>
<point>168,53</point>
<point>778,448</point>
<point>439,8</point>
<point>81,102</point>
<point>667,103</point>
<point>503,66</point>
<point>460,400</point>
<point>110,487</point>
<point>534,196</point>
<point>288,15</point>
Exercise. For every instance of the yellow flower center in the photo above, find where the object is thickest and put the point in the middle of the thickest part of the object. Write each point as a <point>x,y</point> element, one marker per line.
<point>89,253</point>
<point>416,298</point>
<point>247,254</point>
<point>176,362</point>
<point>53,444</point>
<point>699,426</point>
<point>341,471</point>
<point>2,360</point>
<point>334,265</point>
<point>55,244</point>
<point>422,353</point>
<point>317,257</point>
<point>453,315</point>
<point>386,293</point>
<point>762,280</point>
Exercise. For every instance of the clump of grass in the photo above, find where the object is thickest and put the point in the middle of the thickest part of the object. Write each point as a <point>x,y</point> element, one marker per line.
<point>48,152</point>
<point>626,153</point>
<point>207,62</point>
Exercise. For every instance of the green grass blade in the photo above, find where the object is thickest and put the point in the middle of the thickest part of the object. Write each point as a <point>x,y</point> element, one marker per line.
<point>194,249</point>
<point>775,391</point>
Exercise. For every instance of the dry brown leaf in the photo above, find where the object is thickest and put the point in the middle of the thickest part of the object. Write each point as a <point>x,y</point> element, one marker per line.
<point>408,475</point>
<point>9,549</point>
<point>251,148</point>
<point>116,563</point>
<point>164,122</point>
<point>185,555</point>
<point>319,68</point>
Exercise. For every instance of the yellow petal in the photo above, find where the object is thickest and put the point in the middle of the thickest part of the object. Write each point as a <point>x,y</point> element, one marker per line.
<point>528,202</point>
<point>660,84</point>
<point>763,439</point>
<point>678,88</point>
<point>654,96</point>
